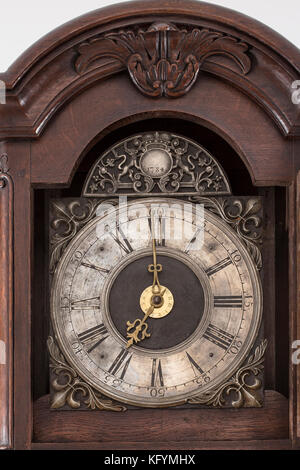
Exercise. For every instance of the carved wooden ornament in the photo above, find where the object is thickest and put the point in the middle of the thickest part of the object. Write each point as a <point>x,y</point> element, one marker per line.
<point>164,60</point>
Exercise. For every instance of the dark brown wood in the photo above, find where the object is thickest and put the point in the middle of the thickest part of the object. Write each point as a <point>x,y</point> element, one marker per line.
<point>295,333</point>
<point>6,300</point>
<point>277,444</point>
<point>54,116</point>
<point>66,140</point>
<point>19,154</point>
<point>269,283</point>
<point>156,426</point>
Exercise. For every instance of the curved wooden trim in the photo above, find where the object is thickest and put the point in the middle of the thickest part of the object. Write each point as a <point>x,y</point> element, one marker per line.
<point>133,9</point>
<point>56,164</point>
<point>6,300</point>
<point>43,79</point>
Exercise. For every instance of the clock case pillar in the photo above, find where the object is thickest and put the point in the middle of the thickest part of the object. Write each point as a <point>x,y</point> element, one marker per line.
<point>57,109</point>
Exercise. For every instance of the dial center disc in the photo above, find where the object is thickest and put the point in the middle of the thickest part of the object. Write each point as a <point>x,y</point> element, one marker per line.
<point>131,283</point>
<point>162,304</point>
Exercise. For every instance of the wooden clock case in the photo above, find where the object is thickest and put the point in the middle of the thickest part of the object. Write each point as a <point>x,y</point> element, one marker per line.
<point>71,96</point>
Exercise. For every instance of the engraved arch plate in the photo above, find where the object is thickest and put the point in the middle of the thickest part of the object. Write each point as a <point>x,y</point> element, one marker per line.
<point>157,163</point>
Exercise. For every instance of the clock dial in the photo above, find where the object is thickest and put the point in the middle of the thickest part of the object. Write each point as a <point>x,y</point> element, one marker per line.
<point>101,284</point>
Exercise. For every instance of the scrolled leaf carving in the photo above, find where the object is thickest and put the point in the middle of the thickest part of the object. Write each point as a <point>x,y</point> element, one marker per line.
<point>164,60</point>
<point>69,389</point>
<point>243,215</point>
<point>246,393</point>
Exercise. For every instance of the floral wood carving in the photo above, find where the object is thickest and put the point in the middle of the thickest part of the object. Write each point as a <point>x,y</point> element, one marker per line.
<point>243,214</point>
<point>69,389</point>
<point>245,385</point>
<point>163,60</point>
<point>159,163</point>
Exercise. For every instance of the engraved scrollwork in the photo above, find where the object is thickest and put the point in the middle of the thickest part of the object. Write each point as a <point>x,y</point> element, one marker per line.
<point>69,389</point>
<point>164,60</point>
<point>68,218</point>
<point>247,394</point>
<point>243,215</point>
<point>157,163</point>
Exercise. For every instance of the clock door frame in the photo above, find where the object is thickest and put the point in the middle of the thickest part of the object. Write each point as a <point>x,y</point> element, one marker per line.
<point>50,121</point>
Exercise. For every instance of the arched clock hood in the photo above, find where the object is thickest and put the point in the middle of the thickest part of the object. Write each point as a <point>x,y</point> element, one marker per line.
<point>111,68</point>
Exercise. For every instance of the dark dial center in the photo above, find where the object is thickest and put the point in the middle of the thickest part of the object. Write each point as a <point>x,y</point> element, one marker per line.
<point>186,314</point>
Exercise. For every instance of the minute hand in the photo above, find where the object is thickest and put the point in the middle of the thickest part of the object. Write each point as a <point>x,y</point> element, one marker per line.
<point>155,269</point>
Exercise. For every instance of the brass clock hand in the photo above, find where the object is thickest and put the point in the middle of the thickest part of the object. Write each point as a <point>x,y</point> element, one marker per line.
<point>138,324</point>
<point>155,269</point>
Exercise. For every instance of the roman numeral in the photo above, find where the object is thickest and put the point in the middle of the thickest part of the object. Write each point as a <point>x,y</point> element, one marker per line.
<point>193,239</point>
<point>86,304</point>
<point>121,240</point>
<point>160,238</point>
<point>219,337</point>
<point>121,363</point>
<point>98,334</point>
<point>97,268</point>
<point>194,365</point>
<point>229,301</point>
<point>156,376</point>
<point>217,267</point>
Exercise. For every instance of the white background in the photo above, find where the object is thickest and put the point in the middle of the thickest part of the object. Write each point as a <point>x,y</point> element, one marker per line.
<point>24,21</point>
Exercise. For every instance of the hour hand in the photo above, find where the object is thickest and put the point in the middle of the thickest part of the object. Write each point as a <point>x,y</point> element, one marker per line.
<point>140,328</point>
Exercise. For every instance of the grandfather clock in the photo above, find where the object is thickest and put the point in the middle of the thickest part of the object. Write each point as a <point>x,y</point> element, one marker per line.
<point>149,234</point>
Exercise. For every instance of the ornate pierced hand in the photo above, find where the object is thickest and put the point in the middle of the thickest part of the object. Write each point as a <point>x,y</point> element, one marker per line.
<point>140,326</point>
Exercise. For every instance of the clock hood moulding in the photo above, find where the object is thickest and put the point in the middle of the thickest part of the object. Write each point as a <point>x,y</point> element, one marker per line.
<point>44,78</point>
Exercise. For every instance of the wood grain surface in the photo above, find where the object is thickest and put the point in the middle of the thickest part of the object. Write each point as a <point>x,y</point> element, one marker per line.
<point>159,425</point>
